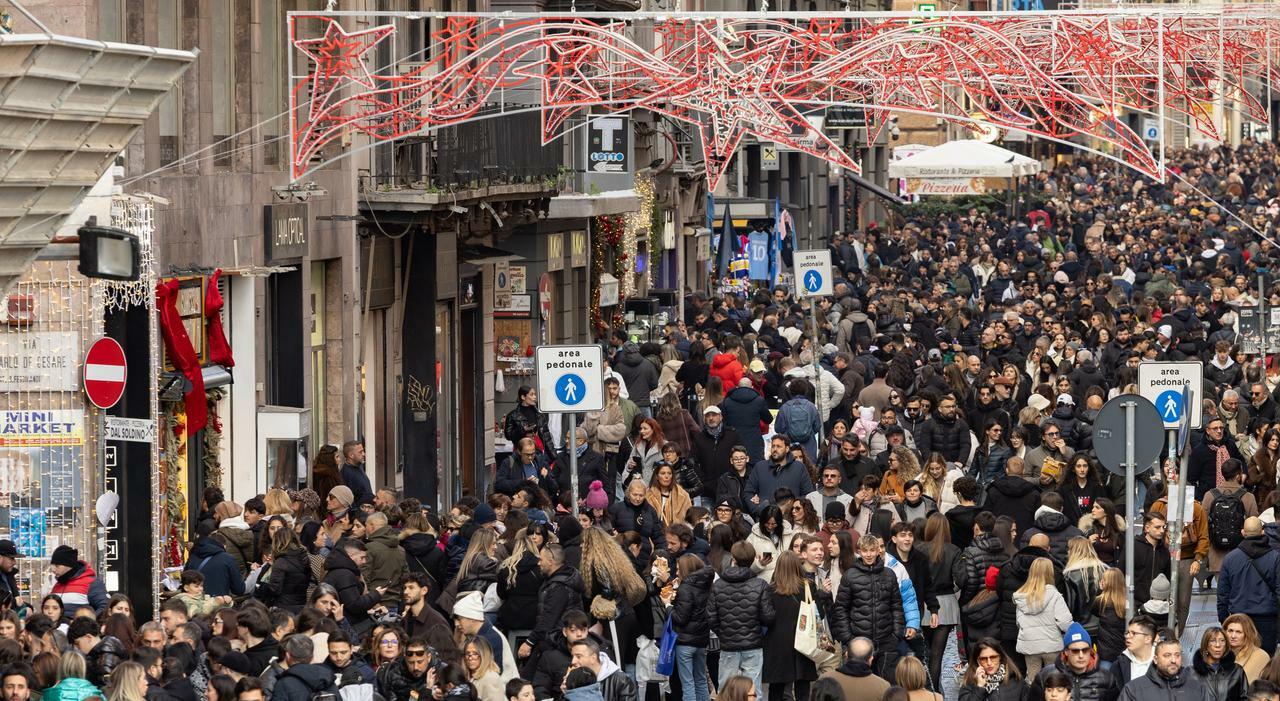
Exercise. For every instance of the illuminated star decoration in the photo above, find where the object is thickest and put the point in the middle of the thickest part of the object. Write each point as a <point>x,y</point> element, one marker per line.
<point>736,93</point>
<point>338,57</point>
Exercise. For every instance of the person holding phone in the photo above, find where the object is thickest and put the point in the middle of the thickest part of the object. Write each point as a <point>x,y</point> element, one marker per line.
<point>767,538</point>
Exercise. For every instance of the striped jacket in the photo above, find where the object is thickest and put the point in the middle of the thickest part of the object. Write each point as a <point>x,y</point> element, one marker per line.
<point>80,588</point>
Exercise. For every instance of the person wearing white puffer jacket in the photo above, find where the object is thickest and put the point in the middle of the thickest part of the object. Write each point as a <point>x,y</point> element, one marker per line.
<point>1042,615</point>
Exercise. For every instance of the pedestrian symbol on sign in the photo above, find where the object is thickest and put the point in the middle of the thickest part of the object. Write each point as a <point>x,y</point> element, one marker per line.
<point>569,389</point>
<point>813,281</point>
<point>1169,404</point>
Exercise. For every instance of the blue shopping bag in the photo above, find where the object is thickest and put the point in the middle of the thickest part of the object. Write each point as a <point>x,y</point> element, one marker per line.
<point>667,650</point>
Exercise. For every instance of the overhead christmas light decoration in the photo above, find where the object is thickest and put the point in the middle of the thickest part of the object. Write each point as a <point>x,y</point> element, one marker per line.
<point>1056,75</point>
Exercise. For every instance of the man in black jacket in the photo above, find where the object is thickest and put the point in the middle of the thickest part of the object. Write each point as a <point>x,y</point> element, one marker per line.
<point>869,604</point>
<point>740,607</point>
<point>1150,557</point>
<point>342,572</point>
<point>713,447</point>
<point>615,685</point>
<point>406,678</point>
<point>301,680</point>
<point>1014,496</point>
<point>591,466</point>
<point>1079,661</point>
<point>546,668</point>
<point>560,593</point>
<point>254,628</point>
<point>945,433</point>
<point>1051,522</point>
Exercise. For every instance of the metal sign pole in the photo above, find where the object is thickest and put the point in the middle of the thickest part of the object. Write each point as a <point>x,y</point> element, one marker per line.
<point>573,460</point>
<point>1175,540</point>
<point>1130,416</point>
<point>817,353</point>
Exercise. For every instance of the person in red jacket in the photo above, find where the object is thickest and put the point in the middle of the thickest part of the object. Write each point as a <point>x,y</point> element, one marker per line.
<point>728,368</point>
<point>76,582</point>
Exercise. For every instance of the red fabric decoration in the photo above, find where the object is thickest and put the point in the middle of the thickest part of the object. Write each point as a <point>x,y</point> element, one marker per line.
<point>219,349</point>
<point>182,354</point>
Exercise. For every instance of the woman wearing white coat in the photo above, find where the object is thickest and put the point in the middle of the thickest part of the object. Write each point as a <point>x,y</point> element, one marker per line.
<point>1042,616</point>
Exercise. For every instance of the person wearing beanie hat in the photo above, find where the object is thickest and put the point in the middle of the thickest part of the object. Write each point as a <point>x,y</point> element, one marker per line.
<point>1079,661</point>
<point>468,617</point>
<point>596,498</point>
<point>484,515</point>
<point>1158,604</point>
<point>76,582</point>
<point>339,501</point>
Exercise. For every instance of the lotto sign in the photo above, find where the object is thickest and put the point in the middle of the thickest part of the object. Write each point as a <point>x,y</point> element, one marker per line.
<point>1163,383</point>
<point>813,273</point>
<point>570,378</point>
<point>104,373</point>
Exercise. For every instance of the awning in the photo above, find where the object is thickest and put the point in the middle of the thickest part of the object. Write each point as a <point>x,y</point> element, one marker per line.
<point>481,254</point>
<point>966,158</point>
<point>586,206</point>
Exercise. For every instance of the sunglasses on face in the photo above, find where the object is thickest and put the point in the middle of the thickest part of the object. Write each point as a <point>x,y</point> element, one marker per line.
<point>415,653</point>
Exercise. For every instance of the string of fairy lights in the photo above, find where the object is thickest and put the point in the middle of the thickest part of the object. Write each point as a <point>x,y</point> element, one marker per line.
<point>615,242</point>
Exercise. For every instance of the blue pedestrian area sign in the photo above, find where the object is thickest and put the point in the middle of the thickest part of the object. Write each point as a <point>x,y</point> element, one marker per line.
<point>813,273</point>
<point>1169,404</point>
<point>570,378</point>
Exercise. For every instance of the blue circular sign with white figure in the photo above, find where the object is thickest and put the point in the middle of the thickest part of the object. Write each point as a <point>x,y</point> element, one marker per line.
<point>813,281</point>
<point>1169,404</point>
<point>570,389</point>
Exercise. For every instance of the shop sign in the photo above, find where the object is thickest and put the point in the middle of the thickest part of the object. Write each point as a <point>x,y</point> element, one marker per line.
<point>117,428</point>
<point>286,232</point>
<point>39,361</point>
<point>947,187</point>
<point>702,244</point>
<point>31,428</point>
<point>502,285</point>
<point>607,139</point>
<point>578,249</point>
<point>555,252</point>
<point>516,273</point>
<point>544,295</point>
<point>608,290</point>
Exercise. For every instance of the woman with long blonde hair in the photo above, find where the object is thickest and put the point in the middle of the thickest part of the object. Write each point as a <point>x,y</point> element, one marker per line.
<point>479,569</point>
<point>1244,641</point>
<point>1082,577</point>
<point>613,588</point>
<point>1042,617</point>
<point>519,579</point>
<point>128,683</point>
<point>278,503</point>
<point>482,672</point>
<point>1110,607</point>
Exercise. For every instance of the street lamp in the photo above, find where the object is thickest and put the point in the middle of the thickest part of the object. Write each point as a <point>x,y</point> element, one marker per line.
<point>109,253</point>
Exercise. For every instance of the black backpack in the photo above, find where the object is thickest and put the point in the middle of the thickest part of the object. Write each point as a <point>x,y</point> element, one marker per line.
<point>1226,519</point>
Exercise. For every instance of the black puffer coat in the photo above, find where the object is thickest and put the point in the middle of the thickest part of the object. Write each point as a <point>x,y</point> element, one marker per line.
<point>342,574</point>
<point>1010,691</point>
<point>560,593</point>
<point>971,565</point>
<point>1095,684</point>
<point>950,437</point>
<point>1011,578</point>
<point>287,582</point>
<point>104,658</point>
<point>1226,682</point>
<point>422,553</point>
<point>869,603</point>
<point>740,607</point>
<point>642,519</point>
<point>482,572</point>
<point>1058,527</point>
<point>689,611</point>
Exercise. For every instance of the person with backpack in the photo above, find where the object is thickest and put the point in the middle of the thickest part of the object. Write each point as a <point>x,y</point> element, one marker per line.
<point>1227,507</point>
<point>1249,580</point>
<point>798,419</point>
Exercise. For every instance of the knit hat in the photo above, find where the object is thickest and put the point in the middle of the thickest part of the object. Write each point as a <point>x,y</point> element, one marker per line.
<point>343,495</point>
<point>1076,634</point>
<point>1159,602</point>
<point>484,514</point>
<point>990,580</point>
<point>596,498</point>
<point>470,606</point>
<point>65,555</point>
<point>834,511</point>
<point>237,662</point>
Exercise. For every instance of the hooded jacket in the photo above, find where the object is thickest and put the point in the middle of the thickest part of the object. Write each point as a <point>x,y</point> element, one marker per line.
<point>970,568</point>
<point>868,603</point>
<point>1241,584</point>
<point>1015,497</point>
<point>744,410</point>
<point>1011,578</point>
<point>285,584</point>
<point>563,591</point>
<point>386,564</point>
<point>80,587</point>
<point>640,376</point>
<point>237,540</point>
<point>301,681</point>
<point>422,553</point>
<point>1041,625</point>
<point>1059,529</point>
<point>689,610</point>
<point>728,368</point>
<point>342,574</point>
<point>547,666</point>
<point>1155,686</point>
<point>1224,681</point>
<point>739,609</point>
<point>221,576</point>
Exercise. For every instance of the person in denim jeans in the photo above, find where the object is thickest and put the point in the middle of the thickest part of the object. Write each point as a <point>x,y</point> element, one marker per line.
<point>693,630</point>
<point>739,608</point>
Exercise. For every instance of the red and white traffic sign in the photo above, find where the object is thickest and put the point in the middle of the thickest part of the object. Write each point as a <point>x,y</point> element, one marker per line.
<point>104,373</point>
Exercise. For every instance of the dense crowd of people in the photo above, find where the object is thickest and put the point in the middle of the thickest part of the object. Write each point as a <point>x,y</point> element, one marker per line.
<point>768,508</point>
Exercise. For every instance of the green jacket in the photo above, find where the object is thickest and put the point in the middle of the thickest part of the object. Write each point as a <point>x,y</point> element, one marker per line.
<point>386,564</point>
<point>71,689</point>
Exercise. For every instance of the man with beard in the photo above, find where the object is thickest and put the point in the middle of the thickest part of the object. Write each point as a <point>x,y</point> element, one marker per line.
<point>946,433</point>
<point>713,447</point>
<point>854,464</point>
<point>985,408</point>
<point>547,669</point>
<point>1166,679</point>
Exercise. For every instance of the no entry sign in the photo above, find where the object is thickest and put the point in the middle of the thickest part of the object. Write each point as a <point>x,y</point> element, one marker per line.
<point>104,373</point>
